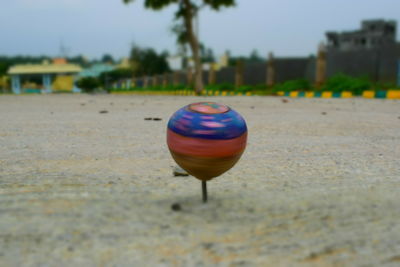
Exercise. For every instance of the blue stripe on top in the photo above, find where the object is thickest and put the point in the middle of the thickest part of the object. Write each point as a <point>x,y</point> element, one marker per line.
<point>226,125</point>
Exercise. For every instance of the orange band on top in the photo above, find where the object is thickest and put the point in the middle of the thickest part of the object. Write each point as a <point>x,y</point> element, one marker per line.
<point>205,147</point>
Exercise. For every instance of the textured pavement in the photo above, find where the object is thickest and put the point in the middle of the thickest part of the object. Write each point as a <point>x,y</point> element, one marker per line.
<point>319,185</point>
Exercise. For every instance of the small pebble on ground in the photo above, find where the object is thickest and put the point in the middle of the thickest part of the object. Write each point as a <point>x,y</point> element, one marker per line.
<point>176,207</point>
<point>178,171</point>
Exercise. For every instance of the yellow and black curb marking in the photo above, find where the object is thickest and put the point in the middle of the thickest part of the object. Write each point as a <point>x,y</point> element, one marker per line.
<point>389,94</point>
<point>182,92</point>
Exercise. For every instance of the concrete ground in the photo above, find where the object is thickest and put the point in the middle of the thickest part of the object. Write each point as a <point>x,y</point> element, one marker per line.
<point>319,185</point>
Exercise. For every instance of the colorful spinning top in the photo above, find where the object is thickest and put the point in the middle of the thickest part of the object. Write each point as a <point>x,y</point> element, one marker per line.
<point>206,139</point>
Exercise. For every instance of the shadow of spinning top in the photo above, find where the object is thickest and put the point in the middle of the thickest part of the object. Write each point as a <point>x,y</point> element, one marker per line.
<point>206,139</point>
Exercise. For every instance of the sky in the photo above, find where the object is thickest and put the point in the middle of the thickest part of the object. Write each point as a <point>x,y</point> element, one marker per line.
<point>95,27</point>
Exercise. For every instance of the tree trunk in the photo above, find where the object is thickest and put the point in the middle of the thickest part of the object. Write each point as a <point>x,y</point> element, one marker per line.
<point>194,45</point>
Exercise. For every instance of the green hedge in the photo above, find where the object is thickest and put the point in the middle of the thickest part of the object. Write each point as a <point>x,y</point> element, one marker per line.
<point>159,88</point>
<point>294,85</point>
<point>340,82</point>
<point>336,84</point>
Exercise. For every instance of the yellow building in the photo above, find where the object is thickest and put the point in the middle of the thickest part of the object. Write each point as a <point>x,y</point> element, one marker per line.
<point>46,77</point>
<point>3,83</point>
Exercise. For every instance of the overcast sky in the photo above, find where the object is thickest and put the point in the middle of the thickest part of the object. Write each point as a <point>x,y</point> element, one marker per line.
<point>95,27</point>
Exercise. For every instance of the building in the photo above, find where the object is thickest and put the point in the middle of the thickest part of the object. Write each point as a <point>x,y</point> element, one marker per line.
<point>124,64</point>
<point>373,34</point>
<point>96,70</point>
<point>46,77</point>
<point>371,51</point>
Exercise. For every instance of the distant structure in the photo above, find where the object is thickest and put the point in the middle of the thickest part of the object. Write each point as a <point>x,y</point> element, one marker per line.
<point>45,78</point>
<point>179,63</point>
<point>223,60</point>
<point>373,34</point>
<point>96,70</point>
<point>371,51</point>
<point>125,63</point>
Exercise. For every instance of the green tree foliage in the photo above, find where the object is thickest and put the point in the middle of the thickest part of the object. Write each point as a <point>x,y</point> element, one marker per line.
<point>186,11</point>
<point>88,84</point>
<point>182,39</point>
<point>79,60</point>
<point>107,58</point>
<point>294,85</point>
<point>146,61</point>
<point>207,55</point>
<point>255,57</point>
<point>3,68</point>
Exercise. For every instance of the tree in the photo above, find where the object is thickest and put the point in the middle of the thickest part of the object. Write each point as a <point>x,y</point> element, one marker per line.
<point>207,55</point>
<point>146,61</point>
<point>187,10</point>
<point>178,29</point>
<point>88,84</point>
<point>107,58</point>
<point>254,56</point>
<point>80,60</point>
<point>3,68</point>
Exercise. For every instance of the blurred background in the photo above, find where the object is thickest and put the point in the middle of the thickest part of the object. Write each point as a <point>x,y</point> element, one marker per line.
<point>263,47</point>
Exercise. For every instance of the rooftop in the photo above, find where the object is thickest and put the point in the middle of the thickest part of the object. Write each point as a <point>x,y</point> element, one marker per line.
<point>44,68</point>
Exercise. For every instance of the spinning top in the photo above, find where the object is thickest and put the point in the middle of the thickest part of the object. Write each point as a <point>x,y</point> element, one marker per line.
<point>206,139</point>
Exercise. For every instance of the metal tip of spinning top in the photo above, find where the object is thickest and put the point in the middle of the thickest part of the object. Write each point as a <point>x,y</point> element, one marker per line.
<point>204,189</point>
